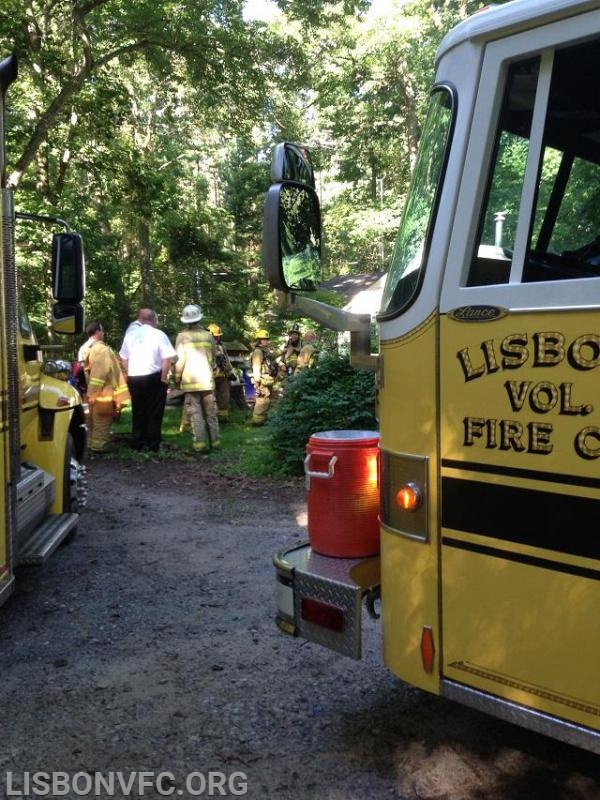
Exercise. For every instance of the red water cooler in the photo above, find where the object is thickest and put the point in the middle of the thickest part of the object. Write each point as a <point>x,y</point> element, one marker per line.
<point>342,483</point>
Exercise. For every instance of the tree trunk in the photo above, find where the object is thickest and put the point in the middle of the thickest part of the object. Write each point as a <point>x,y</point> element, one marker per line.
<point>146,293</point>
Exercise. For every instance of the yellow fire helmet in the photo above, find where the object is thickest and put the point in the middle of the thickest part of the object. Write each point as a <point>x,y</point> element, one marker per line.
<point>214,329</point>
<point>261,334</point>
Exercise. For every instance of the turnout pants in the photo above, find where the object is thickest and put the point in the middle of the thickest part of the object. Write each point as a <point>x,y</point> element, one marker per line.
<point>201,408</point>
<point>101,419</point>
<point>223,395</point>
<point>261,405</point>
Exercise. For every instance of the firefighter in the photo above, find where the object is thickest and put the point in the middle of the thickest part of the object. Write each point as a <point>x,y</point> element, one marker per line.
<point>194,371</point>
<point>264,372</point>
<point>288,360</point>
<point>93,330</point>
<point>307,355</point>
<point>107,390</point>
<point>223,374</point>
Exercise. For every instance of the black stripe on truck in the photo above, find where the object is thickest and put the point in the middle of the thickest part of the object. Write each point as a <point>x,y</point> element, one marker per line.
<point>562,523</point>
<point>529,474</point>
<point>521,558</point>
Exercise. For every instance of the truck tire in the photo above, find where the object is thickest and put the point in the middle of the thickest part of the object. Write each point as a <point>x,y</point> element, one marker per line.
<point>70,477</point>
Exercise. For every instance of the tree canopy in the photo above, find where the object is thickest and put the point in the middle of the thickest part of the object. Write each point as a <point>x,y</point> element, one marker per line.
<point>149,124</point>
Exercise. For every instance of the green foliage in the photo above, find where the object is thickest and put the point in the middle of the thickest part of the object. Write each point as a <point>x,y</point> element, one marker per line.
<point>149,127</point>
<point>359,239</point>
<point>245,181</point>
<point>332,395</point>
<point>373,78</point>
<point>126,120</point>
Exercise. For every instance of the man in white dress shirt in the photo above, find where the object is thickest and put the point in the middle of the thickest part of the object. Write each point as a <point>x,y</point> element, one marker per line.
<point>147,356</point>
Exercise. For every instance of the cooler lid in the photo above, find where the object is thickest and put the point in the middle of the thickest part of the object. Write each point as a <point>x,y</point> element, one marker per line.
<point>345,437</point>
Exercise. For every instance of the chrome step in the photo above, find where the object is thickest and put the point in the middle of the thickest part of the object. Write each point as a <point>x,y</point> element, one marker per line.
<point>43,541</point>
<point>35,495</point>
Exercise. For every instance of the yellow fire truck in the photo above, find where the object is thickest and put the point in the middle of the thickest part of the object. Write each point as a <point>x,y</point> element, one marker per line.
<point>42,422</point>
<point>489,381</point>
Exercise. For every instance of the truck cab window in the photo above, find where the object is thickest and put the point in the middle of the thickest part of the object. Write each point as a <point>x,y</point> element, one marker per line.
<point>492,261</point>
<point>564,232</point>
<point>409,258</point>
<point>564,241</point>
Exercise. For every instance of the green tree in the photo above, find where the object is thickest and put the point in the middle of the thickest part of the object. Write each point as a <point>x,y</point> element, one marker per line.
<point>149,126</point>
<point>371,80</point>
<point>108,126</point>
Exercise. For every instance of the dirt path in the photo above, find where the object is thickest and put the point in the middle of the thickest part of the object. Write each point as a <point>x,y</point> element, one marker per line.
<point>148,644</point>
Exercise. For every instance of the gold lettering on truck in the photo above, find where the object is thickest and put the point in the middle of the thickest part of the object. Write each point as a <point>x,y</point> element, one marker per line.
<point>541,350</point>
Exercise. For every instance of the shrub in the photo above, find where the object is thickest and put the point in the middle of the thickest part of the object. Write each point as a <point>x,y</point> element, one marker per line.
<point>332,395</point>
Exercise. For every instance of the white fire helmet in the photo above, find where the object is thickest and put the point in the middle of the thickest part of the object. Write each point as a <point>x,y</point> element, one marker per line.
<point>191,313</point>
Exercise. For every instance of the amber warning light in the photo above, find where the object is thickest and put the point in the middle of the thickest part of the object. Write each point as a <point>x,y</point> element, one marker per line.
<point>408,497</point>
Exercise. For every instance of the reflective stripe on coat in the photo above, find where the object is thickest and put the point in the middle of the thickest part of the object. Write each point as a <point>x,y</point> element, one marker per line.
<point>106,382</point>
<point>195,360</point>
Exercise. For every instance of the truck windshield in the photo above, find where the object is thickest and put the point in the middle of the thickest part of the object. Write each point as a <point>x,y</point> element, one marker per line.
<point>408,261</point>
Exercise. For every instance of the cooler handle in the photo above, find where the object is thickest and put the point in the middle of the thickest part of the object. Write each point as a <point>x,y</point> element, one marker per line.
<point>313,474</point>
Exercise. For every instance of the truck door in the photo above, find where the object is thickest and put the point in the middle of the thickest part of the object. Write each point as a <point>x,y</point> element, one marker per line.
<point>519,383</point>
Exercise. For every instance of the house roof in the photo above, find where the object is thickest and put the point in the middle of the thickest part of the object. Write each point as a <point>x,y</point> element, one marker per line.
<point>351,285</point>
<point>367,301</point>
<point>235,347</point>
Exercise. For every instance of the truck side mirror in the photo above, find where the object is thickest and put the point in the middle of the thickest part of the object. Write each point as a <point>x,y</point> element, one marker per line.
<point>67,318</point>
<point>292,238</point>
<point>291,162</point>
<point>68,268</point>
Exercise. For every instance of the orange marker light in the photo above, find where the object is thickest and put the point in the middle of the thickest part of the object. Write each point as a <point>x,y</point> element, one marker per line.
<point>408,497</point>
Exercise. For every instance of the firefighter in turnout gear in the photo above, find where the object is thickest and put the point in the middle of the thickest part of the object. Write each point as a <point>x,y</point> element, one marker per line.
<point>288,360</point>
<point>194,371</point>
<point>264,372</point>
<point>223,374</point>
<point>307,355</point>
<point>107,390</point>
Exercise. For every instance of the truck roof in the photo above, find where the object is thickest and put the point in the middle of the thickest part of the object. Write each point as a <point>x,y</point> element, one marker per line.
<point>494,21</point>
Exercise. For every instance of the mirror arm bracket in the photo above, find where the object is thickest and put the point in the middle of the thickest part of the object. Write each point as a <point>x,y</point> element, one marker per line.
<point>359,325</point>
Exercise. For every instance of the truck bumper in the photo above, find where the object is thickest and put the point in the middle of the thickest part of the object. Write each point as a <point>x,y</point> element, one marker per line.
<point>319,598</point>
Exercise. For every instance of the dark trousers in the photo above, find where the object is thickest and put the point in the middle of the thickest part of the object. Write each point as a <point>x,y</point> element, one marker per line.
<point>148,398</point>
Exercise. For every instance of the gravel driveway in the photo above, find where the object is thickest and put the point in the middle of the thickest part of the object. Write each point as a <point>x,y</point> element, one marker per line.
<point>148,645</point>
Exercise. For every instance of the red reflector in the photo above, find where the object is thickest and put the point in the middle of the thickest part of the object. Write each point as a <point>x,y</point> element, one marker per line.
<point>427,649</point>
<point>322,614</point>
